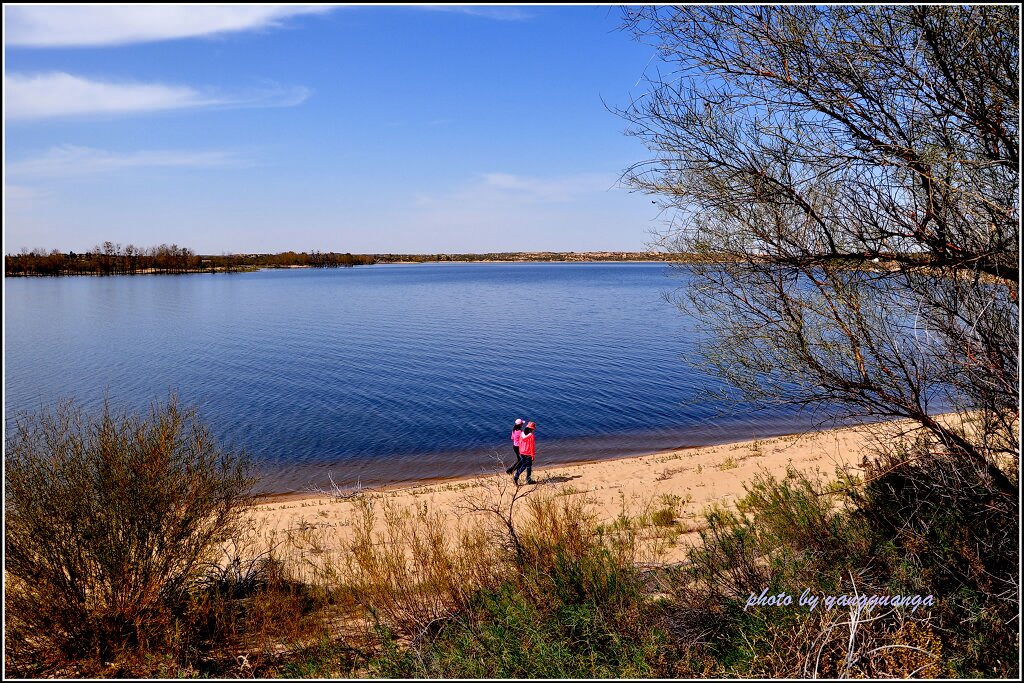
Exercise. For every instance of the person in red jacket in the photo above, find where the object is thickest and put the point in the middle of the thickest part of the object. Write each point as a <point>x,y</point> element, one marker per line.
<point>527,450</point>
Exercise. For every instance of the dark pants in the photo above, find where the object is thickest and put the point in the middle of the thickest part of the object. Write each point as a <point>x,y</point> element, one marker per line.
<point>525,463</point>
<point>519,459</point>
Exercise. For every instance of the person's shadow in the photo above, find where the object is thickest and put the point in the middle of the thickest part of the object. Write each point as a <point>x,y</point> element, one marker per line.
<point>560,479</point>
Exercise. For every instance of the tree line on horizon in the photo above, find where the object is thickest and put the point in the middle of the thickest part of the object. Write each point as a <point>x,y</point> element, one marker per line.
<point>115,259</point>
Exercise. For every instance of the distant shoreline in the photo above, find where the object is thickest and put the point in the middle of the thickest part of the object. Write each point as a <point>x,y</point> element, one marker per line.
<point>581,261</point>
<point>535,257</point>
<point>179,261</point>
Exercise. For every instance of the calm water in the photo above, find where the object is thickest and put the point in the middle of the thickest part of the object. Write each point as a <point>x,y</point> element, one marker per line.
<point>382,373</point>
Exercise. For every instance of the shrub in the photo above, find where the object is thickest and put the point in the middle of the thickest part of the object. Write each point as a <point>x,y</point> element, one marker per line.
<point>788,533</point>
<point>663,517</point>
<point>927,522</point>
<point>570,604</point>
<point>110,521</point>
<point>943,527</point>
<point>511,635</point>
<point>270,625</point>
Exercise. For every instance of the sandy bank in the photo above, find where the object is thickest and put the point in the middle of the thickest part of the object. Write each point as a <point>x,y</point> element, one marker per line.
<point>698,477</point>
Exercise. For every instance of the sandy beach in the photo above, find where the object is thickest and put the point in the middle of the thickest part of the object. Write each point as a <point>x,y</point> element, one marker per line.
<point>687,481</point>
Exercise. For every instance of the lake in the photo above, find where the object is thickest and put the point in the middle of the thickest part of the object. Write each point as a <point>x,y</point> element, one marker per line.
<point>383,373</point>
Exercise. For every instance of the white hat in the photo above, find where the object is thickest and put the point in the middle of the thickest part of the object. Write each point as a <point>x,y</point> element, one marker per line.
<point>519,421</point>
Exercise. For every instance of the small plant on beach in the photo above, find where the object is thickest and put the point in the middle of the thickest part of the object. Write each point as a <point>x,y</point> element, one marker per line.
<point>669,472</point>
<point>674,501</point>
<point>110,521</point>
<point>672,505</point>
<point>663,517</point>
<point>728,464</point>
<point>568,490</point>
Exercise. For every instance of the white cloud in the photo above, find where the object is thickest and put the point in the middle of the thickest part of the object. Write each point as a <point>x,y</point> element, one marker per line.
<point>509,190</point>
<point>73,160</point>
<point>62,94</point>
<point>498,13</point>
<point>21,194</point>
<point>556,189</point>
<point>502,211</point>
<point>96,25</point>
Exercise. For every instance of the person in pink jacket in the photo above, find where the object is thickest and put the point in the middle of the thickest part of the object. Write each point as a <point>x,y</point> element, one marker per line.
<point>527,450</point>
<point>517,434</point>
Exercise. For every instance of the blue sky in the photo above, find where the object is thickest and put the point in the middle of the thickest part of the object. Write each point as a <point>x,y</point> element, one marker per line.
<point>361,129</point>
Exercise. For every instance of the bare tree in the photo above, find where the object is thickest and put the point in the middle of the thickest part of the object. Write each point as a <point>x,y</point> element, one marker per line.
<point>850,176</point>
<point>338,492</point>
<point>497,501</point>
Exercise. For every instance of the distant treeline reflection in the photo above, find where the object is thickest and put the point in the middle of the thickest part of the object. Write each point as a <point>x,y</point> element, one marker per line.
<point>114,259</point>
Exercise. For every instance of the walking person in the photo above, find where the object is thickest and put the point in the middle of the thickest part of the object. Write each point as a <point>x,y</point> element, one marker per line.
<point>527,450</point>
<point>517,434</point>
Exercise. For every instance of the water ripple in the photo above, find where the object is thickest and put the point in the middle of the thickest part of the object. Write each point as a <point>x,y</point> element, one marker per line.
<point>383,373</point>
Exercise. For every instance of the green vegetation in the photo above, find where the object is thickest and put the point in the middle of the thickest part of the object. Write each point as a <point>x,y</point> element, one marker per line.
<point>894,535</point>
<point>110,523</point>
<point>125,557</point>
<point>571,605</point>
<point>115,259</point>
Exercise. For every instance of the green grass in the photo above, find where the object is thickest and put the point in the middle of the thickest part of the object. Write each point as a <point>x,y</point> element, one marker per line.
<point>324,659</point>
<point>514,635</point>
<point>663,517</point>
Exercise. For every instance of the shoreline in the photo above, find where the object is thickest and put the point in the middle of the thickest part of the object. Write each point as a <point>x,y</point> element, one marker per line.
<point>799,441</point>
<point>664,495</point>
<point>397,471</point>
<point>684,481</point>
<point>286,496</point>
<point>254,268</point>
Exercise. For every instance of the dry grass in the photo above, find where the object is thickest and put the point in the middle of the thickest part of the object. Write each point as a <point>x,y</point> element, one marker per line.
<point>420,569</point>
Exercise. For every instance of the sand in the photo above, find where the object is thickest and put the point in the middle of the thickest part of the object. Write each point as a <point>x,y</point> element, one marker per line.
<point>689,480</point>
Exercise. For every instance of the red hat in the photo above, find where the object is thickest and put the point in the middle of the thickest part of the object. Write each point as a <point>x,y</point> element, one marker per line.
<point>531,425</point>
